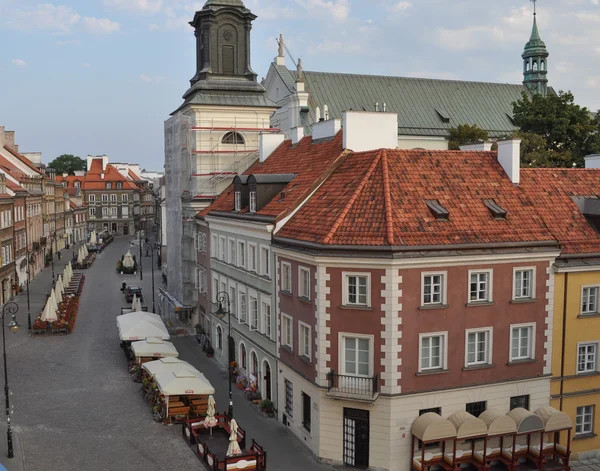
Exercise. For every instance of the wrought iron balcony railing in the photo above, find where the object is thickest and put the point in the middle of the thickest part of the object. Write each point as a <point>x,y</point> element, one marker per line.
<point>362,388</point>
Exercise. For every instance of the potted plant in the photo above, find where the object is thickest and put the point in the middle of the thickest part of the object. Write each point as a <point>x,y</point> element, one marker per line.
<point>210,351</point>
<point>266,406</point>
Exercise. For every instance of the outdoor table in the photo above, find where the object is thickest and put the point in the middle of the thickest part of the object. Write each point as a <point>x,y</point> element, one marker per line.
<point>176,404</point>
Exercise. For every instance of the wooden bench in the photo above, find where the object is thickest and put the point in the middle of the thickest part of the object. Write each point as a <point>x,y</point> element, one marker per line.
<point>177,414</point>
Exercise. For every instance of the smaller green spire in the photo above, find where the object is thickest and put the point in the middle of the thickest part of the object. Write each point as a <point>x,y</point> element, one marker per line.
<point>535,61</point>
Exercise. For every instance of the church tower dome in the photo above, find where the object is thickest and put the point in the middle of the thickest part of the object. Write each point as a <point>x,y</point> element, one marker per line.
<point>535,61</point>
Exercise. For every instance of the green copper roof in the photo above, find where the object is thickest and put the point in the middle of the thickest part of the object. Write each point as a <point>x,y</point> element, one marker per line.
<point>224,3</point>
<point>535,46</point>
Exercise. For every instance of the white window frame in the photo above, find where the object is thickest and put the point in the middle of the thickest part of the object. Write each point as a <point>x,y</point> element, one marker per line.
<point>346,286</point>
<point>267,328</point>
<point>490,286</point>
<point>443,286</point>
<point>532,287</point>
<point>201,241</point>
<point>489,346</point>
<point>287,286</point>
<point>125,198</point>
<point>265,268</point>
<point>243,305</point>
<point>223,248</point>
<point>113,197</point>
<point>232,285</point>
<point>252,248</point>
<point>104,197</point>
<point>231,251</point>
<point>91,198</point>
<point>241,253</point>
<point>215,287</point>
<point>287,321</point>
<point>586,410</point>
<point>301,352</point>
<point>342,352</point>
<point>301,292</point>
<point>596,346</point>
<point>252,202</point>
<point>596,310</point>
<point>253,296</point>
<point>214,246</point>
<point>531,356</point>
<point>443,351</point>
<point>237,200</point>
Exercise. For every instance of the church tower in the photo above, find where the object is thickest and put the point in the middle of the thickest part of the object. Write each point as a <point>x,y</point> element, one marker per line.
<point>535,61</point>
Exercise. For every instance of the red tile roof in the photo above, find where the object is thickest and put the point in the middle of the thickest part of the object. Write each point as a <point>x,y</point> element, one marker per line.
<point>95,179</point>
<point>551,191</point>
<point>309,161</point>
<point>378,198</point>
<point>23,159</point>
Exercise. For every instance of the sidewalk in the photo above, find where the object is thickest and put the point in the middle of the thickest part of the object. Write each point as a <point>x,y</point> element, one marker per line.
<point>17,463</point>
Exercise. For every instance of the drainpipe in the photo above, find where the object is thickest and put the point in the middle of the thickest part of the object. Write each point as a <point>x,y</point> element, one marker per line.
<point>564,339</point>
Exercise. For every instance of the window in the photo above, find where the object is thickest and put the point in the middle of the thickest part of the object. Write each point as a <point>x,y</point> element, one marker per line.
<point>253,313</point>
<point>433,289</point>
<point>243,308</point>
<point>479,349</point>
<point>232,253</point>
<point>105,198</point>
<point>77,184</point>
<point>287,331</point>
<point>232,137</point>
<point>523,288</point>
<point>124,212</point>
<point>219,338</point>
<point>113,198</point>
<point>265,262</point>
<point>119,186</point>
<point>222,249</point>
<point>238,200</point>
<point>241,256</point>
<point>108,186</point>
<point>304,283</point>
<point>266,317</point>
<point>252,207</point>
<point>433,351</point>
<point>286,277</point>
<point>201,242</point>
<point>214,246</point>
<point>357,356</point>
<point>435,410</point>
<point>113,212</point>
<point>215,288</point>
<point>105,211</point>
<point>522,342</point>
<point>589,300</point>
<point>289,398</point>
<point>91,198</point>
<point>306,411</point>
<point>252,257</point>
<point>480,286</point>
<point>201,279</point>
<point>304,340</point>
<point>476,408</point>
<point>125,198</point>
<point>519,401</point>
<point>254,361</point>
<point>584,421</point>
<point>93,212</point>
<point>356,289</point>
<point>233,300</point>
<point>243,361</point>
<point>587,357</point>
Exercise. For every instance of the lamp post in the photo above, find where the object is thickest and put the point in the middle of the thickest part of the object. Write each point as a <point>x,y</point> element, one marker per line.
<point>152,248</point>
<point>223,297</point>
<point>52,253</point>
<point>140,237</point>
<point>28,279</point>
<point>10,308</point>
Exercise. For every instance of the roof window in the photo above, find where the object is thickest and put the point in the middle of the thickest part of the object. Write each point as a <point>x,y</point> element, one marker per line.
<point>443,114</point>
<point>232,138</point>
<point>440,213</point>
<point>496,211</point>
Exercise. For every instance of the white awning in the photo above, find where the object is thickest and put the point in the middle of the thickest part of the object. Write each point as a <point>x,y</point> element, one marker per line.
<point>181,383</point>
<point>154,347</point>
<point>140,326</point>
<point>169,364</point>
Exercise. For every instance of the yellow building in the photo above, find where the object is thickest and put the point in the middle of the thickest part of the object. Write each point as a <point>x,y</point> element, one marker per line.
<point>562,199</point>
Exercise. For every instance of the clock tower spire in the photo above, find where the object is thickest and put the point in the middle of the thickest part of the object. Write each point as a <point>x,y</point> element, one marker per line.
<point>535,60</point>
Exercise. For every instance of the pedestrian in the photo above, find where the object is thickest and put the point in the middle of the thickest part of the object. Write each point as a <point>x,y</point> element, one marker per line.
<point>58,253</point>
<point>123,286</point>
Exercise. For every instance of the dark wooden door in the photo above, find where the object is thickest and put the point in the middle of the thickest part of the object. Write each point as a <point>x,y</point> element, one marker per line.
<point>356,437</point>
<point>267,381</point>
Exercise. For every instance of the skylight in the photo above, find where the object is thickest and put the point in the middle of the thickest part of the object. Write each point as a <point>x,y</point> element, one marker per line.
<point>495,210</point>
<point>438,210</point>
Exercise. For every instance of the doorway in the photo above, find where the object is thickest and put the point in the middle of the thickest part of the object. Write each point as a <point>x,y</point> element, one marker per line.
<point>356,438</point>
<point>125,229</point>
<point>114,227</point>
<point>267,380</point>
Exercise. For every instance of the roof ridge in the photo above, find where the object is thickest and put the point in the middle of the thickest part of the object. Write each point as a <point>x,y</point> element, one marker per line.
<point>387,197</point>
<point>346,210</point>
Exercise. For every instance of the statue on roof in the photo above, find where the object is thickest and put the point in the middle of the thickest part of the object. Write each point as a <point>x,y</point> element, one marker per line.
<point>281,46</point>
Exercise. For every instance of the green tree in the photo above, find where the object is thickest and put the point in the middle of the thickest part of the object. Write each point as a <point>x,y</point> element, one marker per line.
<point>67,163</point>
<point>569,131</point>
<point>465,134</point>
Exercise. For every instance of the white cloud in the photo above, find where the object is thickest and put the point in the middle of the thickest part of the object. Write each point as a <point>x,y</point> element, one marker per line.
<point>339,10</point>
<point>44,17</point>
<point>401,6</point>
<point>19,62</point>
<point>100,25</point>
<point>135,6</point>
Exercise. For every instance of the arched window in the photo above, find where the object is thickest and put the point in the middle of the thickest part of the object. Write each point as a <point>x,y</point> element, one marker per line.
<point>542,65</point>
<point>232,138</point>
<point>528,64</point>
<point>535,66</point>
<point>243,356</point>
<point>219,338</point>
<point>254,364</point>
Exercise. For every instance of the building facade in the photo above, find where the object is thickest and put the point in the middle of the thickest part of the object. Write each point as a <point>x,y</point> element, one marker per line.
<point>7,256</point>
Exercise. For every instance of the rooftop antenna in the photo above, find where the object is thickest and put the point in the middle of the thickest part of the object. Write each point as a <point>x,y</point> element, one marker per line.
<point>534,2</point>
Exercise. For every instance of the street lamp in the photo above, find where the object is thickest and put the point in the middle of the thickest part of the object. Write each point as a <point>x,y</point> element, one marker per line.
<point>51,252</point>
<point>152,249</point>
<point>10,308</point>
<point>140,237</point>
<point>222,298</point>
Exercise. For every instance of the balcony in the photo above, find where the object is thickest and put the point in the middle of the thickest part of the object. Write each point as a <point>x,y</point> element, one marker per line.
<point>356,388</point>
<point>36,246</point>
<point>42,241</point>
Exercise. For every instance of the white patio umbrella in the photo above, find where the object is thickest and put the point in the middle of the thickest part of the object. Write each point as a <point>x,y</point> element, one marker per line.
<point>60,287</point>
<point>80,256</point>
<point>93,240</point>
<point>210,421</point>
<point>70,268</point>
<point>58,292</point>
<point>136,304</point>
<point>52,300</point>
<point>49,315</point>
<point>128,261</point>
<point>85,251</point>
<point>234,447</point>
<point>66,277</point>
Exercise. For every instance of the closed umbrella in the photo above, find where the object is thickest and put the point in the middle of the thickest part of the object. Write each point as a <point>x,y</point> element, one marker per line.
<point>58,291</point>
<point>52,300</point>
<point>234,447</point>
<point>134,304</point>
<point>93,240</point>
<point>70,268</point>
<point>128,260</point>
<point>80,256</point>
<point>210,420</point>
<point>85,251</point>
<point>66,277</point>
<point>60,285</point>
<point>49,315</point>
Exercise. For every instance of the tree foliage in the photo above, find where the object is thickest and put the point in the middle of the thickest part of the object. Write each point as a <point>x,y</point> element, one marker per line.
<point>465,134</point>
<point>67,163</point>
<point>555,131</point>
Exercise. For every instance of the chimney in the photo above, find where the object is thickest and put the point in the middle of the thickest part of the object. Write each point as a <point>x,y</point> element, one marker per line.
<point>267,143</point>
<point>592,161</point>
<point>485,146</point>
<point>509,156</point>
<point>368,130</point>
<point>90,159</point>
<point>9,139</point>
<point>297,134</point>
<point>325,129</point>
<point>1,137</point>
<point>104,162</point>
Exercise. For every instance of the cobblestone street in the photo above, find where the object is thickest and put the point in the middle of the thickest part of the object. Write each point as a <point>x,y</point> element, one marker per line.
<point>76,407</point>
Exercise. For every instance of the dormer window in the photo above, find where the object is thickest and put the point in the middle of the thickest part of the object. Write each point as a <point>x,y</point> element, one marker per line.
<point>440,213</point>
<point>232,138</point>
<point>252,201</point>
<point>109,186</point>
<point>77,184</point>
<point>119,186</point>
<point>496,211</point>
<point>238,200</point>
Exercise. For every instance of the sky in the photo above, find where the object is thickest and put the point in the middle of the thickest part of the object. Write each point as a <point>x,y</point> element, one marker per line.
<point>101,76</point>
